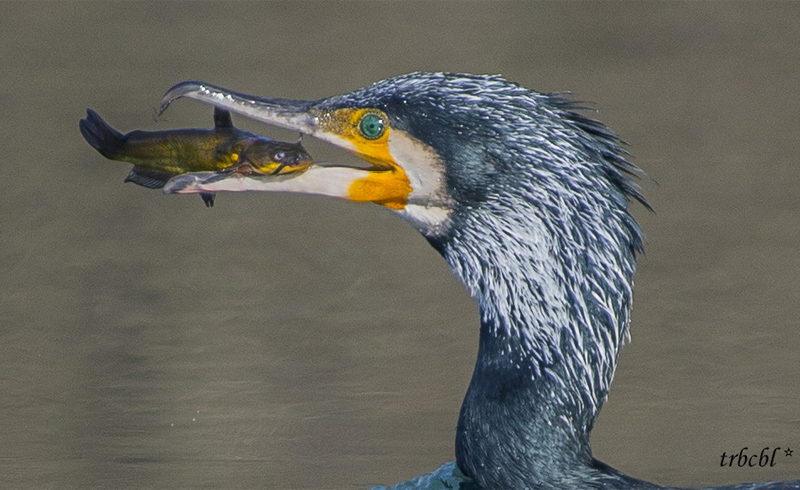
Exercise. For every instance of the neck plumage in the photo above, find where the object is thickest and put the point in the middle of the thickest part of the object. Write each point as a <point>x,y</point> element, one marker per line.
<point>553,281</point>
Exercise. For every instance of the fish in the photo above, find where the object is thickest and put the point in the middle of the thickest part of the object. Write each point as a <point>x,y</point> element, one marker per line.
<point>158,156</point>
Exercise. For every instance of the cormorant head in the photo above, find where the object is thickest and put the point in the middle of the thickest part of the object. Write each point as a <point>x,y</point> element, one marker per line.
<point>437,145</point>
<point>527,201</point>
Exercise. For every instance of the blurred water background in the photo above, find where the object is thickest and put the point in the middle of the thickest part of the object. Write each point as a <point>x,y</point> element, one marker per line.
<point>295,342</point>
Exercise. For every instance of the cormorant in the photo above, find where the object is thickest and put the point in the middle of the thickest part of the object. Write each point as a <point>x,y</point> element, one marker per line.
<point>527,201</point>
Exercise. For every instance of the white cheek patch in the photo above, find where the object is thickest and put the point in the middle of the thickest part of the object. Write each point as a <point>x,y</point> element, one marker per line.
<point>428,208</point>
<point>422,165</point>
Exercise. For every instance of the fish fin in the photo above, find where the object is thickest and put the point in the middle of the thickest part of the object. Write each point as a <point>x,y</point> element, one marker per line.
<point>222,118</point>
<point>103,138</point>
<point>152,179</point>
<point>208,198</point>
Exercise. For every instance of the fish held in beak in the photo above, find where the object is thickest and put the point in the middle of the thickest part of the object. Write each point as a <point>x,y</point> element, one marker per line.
<point>158,156</point>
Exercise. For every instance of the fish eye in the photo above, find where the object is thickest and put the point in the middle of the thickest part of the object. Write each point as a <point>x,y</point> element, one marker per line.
<point>372,126</point>
<point>280,155</point>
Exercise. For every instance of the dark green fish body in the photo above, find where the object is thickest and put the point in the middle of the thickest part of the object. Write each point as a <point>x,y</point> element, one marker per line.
<point>157,156</point>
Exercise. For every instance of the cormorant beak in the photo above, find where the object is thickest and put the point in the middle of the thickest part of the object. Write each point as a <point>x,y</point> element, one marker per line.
<point>286,113</point>
<point>384,182</point>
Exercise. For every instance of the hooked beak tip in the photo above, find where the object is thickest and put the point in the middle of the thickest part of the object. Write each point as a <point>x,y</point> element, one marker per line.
<point>182,89</point>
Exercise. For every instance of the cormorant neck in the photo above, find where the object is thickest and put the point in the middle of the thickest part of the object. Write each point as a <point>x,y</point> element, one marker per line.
<point>554,288</point>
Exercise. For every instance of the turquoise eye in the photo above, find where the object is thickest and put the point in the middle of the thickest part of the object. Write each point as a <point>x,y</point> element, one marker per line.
<point>372,126</point>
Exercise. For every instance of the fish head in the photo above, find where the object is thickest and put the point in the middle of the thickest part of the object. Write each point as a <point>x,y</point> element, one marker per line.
<point>264,156</point>
<point>270,157</point>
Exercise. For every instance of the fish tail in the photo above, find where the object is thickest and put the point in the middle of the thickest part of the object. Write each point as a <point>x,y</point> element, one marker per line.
<point>105,139</point>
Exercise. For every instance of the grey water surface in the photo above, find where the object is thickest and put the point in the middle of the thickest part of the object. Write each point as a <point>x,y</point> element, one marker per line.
<point>292,342</point>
